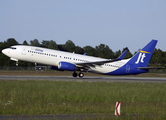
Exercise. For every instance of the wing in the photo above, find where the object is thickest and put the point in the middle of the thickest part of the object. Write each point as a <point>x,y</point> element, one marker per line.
<point>88,64</point>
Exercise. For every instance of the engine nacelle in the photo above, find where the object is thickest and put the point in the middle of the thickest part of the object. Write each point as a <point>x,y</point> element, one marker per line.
<point>55,68</point>
<point>66,66</point>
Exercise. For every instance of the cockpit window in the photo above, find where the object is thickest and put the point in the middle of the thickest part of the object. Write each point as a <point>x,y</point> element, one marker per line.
<point>13,48</point>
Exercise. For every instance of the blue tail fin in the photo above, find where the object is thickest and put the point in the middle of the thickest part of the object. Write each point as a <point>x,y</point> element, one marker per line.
<point>142,57</point>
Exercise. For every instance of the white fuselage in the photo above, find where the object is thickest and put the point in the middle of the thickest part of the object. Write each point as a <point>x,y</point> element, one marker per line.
<point>54,57</point>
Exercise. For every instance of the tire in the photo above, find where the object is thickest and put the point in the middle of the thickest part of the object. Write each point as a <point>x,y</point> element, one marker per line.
<point>74,74</point>
<point>81,75</point>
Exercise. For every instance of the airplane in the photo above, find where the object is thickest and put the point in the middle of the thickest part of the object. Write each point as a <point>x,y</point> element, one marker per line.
<point>59,60</point>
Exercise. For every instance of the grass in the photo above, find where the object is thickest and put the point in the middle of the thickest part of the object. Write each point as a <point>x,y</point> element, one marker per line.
<point>138,100</point>
<point>52,97</point>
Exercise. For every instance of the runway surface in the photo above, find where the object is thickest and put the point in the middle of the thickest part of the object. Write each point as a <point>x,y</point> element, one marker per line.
<point>87,79</point>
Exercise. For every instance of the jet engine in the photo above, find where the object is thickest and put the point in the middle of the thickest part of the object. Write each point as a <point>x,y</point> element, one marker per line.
<point>66,66</point>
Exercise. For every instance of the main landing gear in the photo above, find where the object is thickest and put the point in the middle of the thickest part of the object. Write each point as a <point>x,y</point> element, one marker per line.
<point>80,74</point>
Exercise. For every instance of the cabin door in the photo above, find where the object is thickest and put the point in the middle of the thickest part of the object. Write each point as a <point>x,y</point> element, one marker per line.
<point>23,51</point>
<point>127,68</point>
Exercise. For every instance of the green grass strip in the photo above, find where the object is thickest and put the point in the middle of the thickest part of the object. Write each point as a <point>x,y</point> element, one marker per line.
<point>52,97</point>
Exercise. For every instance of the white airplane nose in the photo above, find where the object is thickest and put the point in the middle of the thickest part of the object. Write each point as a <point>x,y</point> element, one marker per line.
<point>4,51</point>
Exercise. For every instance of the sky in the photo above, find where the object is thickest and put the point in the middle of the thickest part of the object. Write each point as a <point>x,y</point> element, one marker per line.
<point>116,23</point>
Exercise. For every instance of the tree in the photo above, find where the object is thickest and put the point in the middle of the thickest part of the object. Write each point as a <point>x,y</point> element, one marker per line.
<point>117,53</point>
<point>158,57</point>
<point>34,42</point>
<point>128,54</point>
<point>25,43</point>
<point>49,44</point>
<point>45,43</point>
<point>90,51</point>
<point>11,42</point>
<point>79,50</point>
<point>104,51</point>
<point>61,47</point>
<point>52,45</point>
<point>164,58</point>
<point>3,58</point>
<point>69,46</point>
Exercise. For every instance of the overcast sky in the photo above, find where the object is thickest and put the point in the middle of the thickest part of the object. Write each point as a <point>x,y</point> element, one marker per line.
<point>116,23</point>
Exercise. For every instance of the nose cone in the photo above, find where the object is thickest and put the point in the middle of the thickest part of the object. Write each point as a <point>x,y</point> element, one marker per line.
<point>4,51</point>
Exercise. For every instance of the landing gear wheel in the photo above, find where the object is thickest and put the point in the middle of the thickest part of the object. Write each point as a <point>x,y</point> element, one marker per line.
<point>74,74</point>
<point>81,75</point>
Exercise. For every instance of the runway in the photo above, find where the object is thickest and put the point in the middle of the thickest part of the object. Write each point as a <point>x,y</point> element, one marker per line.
<point>88,79</point>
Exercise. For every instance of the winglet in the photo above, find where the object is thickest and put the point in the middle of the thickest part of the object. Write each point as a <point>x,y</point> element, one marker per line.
<point>122,55</point>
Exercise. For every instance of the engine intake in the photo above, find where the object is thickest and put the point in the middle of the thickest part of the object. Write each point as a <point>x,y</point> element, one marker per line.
<point>66,66</point>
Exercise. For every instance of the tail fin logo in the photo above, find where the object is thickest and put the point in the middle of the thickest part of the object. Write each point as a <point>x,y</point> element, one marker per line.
<point>144,51</point>
<point>141,56</point>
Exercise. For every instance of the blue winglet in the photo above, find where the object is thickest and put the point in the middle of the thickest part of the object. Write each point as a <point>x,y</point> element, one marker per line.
<point>122,55</point>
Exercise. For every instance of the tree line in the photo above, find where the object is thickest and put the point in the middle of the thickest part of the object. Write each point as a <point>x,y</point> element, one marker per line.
<point>102,50</point>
